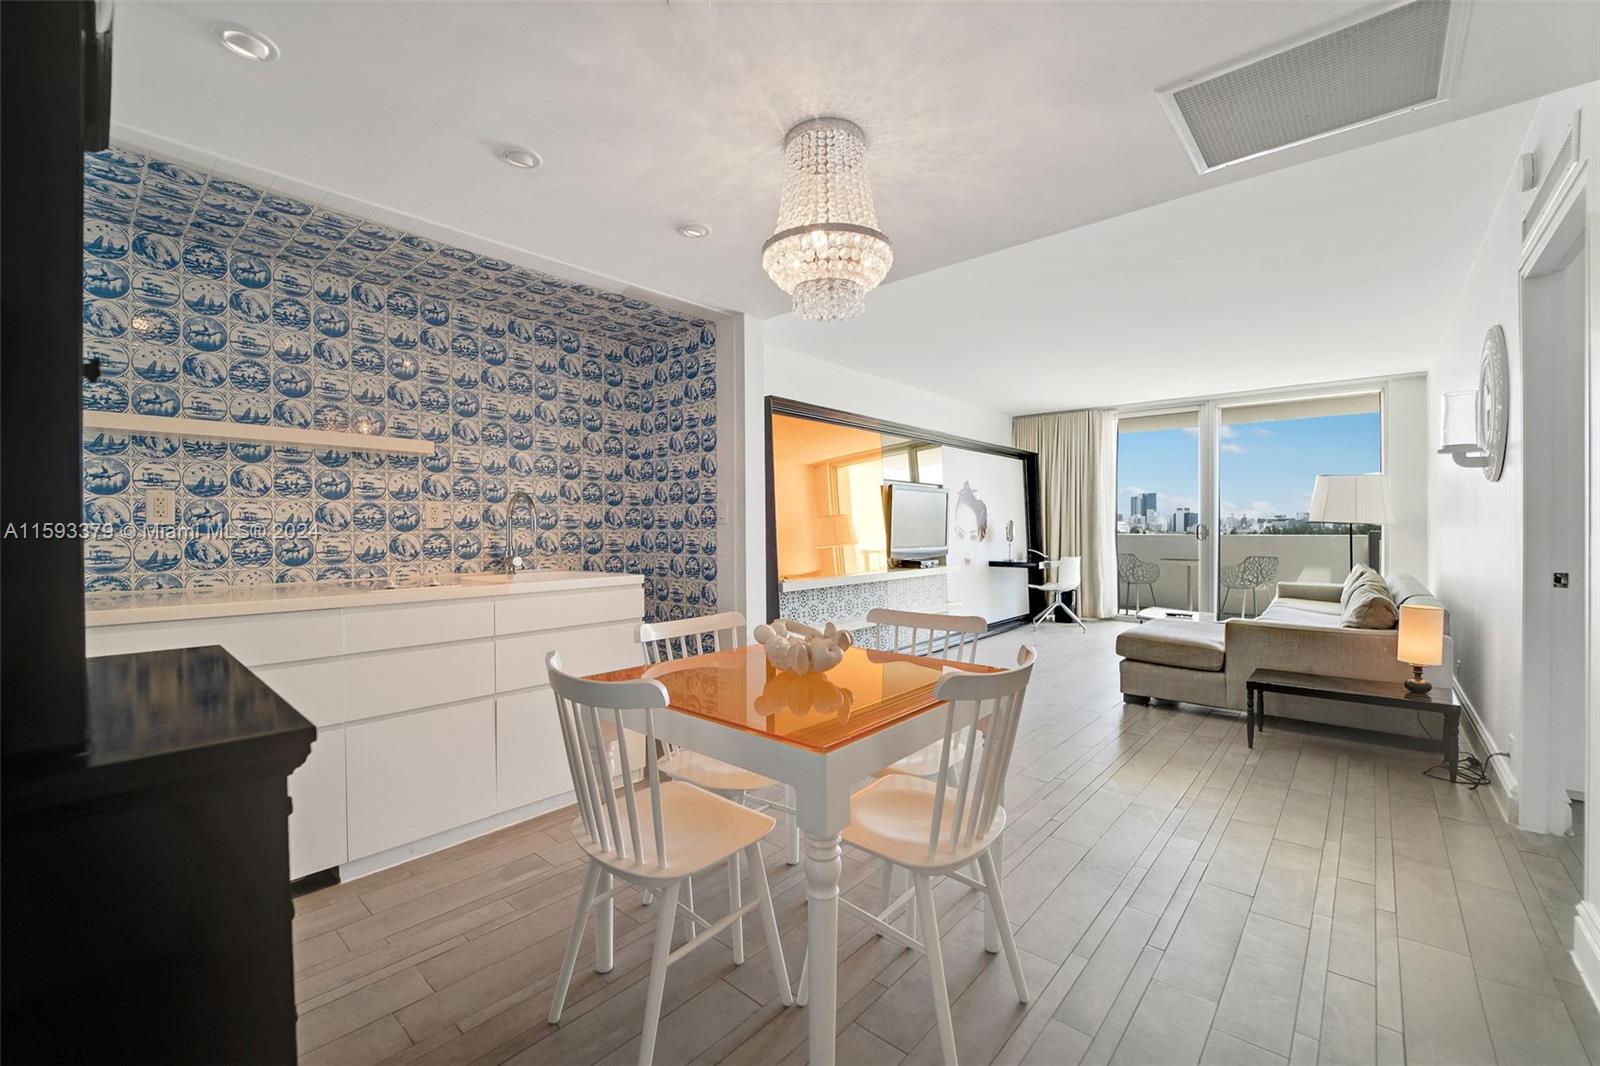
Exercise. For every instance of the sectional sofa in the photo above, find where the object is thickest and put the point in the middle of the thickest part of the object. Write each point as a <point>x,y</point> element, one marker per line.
<point>1307,628</point>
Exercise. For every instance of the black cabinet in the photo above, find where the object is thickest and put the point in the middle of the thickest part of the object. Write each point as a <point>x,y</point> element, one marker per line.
<point>146,886</point>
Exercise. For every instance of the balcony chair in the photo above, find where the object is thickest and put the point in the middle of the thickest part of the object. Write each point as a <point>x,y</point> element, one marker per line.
<point>1252,572</point>
<point>681,831</point>
<point>1132,572</point>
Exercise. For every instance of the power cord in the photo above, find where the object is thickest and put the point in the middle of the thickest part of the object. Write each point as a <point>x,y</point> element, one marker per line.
<point>1469,770</point>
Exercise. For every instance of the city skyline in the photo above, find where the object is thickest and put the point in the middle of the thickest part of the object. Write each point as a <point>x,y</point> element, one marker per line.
<point>1268,468</point>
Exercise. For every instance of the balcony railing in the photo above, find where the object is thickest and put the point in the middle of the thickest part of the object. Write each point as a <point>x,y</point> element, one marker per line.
<point>1305,557</point>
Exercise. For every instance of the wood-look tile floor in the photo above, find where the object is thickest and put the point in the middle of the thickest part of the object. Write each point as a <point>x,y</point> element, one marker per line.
<point>1178,898</point>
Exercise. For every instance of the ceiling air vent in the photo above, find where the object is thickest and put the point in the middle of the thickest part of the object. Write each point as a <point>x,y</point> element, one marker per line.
<point>1399,59</point>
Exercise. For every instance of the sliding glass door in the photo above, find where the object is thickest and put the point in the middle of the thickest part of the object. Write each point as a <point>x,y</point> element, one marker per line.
<point>1269,458</point>
<point>1214,499</point>
<point>1161,533</point>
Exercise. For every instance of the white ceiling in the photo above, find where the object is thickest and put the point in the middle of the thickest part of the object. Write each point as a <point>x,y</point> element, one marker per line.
<point>1343,268</point>
<point>991,125</point>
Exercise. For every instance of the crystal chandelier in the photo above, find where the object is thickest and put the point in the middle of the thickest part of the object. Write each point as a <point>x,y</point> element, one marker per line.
<point>827,251</point>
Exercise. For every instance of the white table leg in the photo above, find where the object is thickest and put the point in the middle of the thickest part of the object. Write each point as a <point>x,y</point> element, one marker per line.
<point>791,850</point>
<point>604,925</point>
<point>823,869</point>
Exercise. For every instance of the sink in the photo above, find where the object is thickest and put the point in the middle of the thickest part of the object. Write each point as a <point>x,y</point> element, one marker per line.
<point>522,577</point>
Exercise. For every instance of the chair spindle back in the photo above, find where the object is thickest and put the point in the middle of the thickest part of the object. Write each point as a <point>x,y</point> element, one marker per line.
<point>591,717</point>
<point>993,703</point>
<point>944,636</point>
<point>664,641</point>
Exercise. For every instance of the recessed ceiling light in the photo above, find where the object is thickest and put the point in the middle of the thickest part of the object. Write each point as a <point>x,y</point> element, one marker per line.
<point>520,158</point>
<point>247,43</point>
<point>694,230</point>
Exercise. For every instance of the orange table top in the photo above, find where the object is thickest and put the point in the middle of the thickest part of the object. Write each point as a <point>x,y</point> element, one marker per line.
<point>868,691</point>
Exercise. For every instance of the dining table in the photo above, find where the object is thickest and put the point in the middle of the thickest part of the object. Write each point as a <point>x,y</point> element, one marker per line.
<point>820,734</point>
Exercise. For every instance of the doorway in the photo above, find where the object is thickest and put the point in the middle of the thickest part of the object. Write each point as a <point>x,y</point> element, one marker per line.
<point>1555,574</point>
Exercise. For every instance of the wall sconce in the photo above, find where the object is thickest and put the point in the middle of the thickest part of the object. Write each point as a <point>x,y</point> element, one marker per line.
<point>1460,430</point>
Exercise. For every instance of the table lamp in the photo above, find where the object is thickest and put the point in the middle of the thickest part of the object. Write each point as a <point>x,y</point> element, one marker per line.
<point>1421,641</point>
<point>835,531</point>
<point>1350,498</point>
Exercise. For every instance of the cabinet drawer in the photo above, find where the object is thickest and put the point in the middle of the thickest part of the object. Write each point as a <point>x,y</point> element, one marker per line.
<point>316,826</point>
<point>254,640</point>
<point>388,681</point>
<point>519,660</point>
<point>558,610</point>
<point>419,774</point>
<point>407,625</point>
<point>315,689</point>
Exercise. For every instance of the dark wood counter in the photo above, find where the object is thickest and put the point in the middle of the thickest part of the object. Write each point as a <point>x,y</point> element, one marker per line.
<point>146,884</point>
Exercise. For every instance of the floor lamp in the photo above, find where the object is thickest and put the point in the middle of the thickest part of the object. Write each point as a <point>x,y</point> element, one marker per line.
<point>1351,499</point>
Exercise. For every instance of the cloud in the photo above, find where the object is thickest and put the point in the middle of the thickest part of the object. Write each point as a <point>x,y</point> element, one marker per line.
<point>1233,449</point>
<point>1262,431</point>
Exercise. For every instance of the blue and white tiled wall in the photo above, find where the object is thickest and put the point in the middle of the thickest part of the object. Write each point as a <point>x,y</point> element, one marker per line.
<point>211,299</point>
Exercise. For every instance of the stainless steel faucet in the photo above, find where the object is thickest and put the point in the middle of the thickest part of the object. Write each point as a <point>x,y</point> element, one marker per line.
<point>513,562</point>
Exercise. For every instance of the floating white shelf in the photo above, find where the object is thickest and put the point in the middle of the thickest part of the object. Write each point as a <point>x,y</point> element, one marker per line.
<point>199,429</point>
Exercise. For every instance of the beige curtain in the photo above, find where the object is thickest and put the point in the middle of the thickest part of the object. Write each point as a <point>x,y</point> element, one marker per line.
<point>1077,490</point>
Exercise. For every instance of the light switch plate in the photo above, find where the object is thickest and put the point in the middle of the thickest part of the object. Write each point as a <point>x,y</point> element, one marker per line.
<point>160,507</point>
<point>435,514</point>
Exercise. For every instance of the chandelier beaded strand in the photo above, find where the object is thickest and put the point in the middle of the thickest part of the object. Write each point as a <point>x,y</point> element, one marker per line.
<point>827,251</point>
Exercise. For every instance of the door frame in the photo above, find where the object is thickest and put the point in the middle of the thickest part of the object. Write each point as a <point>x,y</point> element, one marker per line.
<point>1542,803</point>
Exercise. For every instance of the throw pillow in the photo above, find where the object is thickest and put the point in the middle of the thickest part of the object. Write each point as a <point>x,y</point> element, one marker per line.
<point>1369,608</point>
<point>1369,578</point>
<point>1357,574</point>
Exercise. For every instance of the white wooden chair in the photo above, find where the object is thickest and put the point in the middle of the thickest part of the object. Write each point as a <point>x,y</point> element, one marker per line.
<point>939,636</point>
<point>666,641</point>
<point>936,827</point>
<point>1067,576</point>
<point>682,831</point>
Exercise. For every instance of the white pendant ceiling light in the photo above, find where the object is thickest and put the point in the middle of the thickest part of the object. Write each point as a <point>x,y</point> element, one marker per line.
<point>827,251</point>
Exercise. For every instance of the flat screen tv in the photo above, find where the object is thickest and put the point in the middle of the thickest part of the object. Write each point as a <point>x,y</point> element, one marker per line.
<point>918,520</point>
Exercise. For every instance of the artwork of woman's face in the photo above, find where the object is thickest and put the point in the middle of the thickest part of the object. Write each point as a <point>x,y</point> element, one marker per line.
<point>969,534</point>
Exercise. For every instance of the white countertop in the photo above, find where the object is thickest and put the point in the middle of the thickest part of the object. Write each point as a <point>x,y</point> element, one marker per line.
<point>173,605</point>
<point>795,584</point>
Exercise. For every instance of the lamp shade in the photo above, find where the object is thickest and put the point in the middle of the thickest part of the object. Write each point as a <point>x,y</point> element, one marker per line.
<point>835,531</point>
<point>1421,634</point>
<point>1354,498</point>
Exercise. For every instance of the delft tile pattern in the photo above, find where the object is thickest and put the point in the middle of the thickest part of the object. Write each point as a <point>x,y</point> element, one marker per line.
<point>211,299</point>
<point>838,603</point>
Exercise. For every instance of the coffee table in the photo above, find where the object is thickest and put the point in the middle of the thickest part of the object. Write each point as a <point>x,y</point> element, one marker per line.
<point>1440,701</point>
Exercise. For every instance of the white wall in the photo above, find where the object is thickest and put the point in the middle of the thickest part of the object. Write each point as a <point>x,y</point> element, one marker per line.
<point>1476,533</point>
<point>796,376</point>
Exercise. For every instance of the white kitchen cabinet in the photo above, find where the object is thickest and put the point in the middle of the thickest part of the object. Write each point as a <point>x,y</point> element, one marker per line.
<point>317,821</point>
<point>415,775</point>
<point>435,721</point>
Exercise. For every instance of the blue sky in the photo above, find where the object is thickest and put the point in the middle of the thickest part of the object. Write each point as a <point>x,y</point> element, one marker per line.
<point>1268,468</point>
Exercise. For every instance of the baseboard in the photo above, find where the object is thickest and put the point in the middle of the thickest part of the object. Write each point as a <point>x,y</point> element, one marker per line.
<point>1502,781</point>
<point>1586,947</point>
<point>371,864</point>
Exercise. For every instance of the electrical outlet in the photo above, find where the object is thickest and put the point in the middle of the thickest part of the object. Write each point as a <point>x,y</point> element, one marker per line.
<point>1562,580</point>
<point>160,507</point>
<point>435,514</point>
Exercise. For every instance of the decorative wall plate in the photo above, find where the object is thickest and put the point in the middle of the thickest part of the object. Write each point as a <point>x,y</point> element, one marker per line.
<point>1494,397</point>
